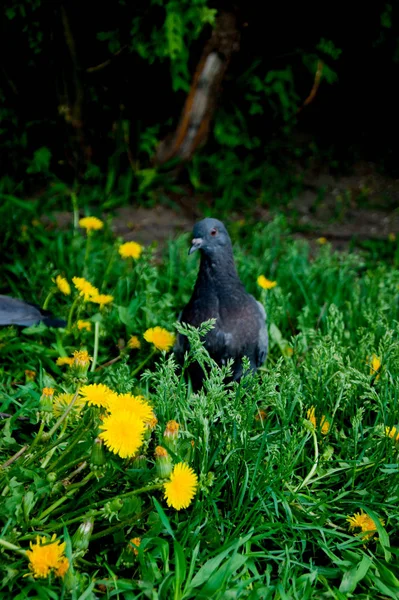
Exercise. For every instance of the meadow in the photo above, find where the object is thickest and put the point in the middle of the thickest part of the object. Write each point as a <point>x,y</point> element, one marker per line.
<point>117,481</point>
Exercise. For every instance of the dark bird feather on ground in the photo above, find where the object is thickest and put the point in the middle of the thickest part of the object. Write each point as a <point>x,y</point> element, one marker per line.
<point>240,328</point>
<point>18,312</point>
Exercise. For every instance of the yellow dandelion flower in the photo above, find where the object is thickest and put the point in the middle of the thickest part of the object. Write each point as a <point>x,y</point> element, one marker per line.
<point>363,522</point>
<point>85,288</point>
<point>134,343</point>
<point>102,299</point>
<point>83,325</point>
<point>130,250</point>
<point>161,338</point>
<point>393,433</point>
<point>30,375</point>
<point>91,223</point>
<point>48,391</point>
<point>45,555</point>
<point>97,394</point>
<point>181,488</point>
<point>135,404</point>
<point>62,401</point>
<point>324,424</point>
<point>63,285</point>
<point>266,284</point>
<point>136,543</point>
<point>375,365</point>
<point>64,360</point>
<point>123,433</point>
<point>322,241</point>
<point>62,567</point>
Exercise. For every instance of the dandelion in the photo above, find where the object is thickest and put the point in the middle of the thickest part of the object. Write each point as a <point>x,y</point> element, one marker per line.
<point>393,433</point>
<point>130,250</point>
<point>85,288</point>
<point>266,284</point>
<point>161,338</point>
<point>45,556</point>
<point>83,325</point>
<point>48,391</point>
<point>102,299</point>
<point>163,462</point>
<point>322,241</point>
<point>134,343</point>
<point>64,360</point>
<point>81,358</point>
<point>171,435</point>
<point>123,433</point>
<point>324,424</point>
<point>91,223</point>
<point>30,375</point>
<point>365,523</point>
<point>97,394</point>
<point>134,404</point>
<point>261,415</point>
<point>375,365</point>
<point>181,488</point>
<point>62,401</point>
<point>63,285</point>
<point>136,543</point>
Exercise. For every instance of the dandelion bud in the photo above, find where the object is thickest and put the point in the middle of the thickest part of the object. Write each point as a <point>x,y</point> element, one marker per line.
<point>171,435</point>
<point>30,375</point>
<point>134,544</point>
<point>163,463</point>
<point>52,477</point>
<point>46,403</point>
<point>81,362</point>
<point>98,463</point>
<point>260,416</point>
<point>150,426</point>
<point>81,537</point>
<point>187,450</point>
<point>139,462</point>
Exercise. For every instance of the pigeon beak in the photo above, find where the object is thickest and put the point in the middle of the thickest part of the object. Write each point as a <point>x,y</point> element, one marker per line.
<point>196,245</point>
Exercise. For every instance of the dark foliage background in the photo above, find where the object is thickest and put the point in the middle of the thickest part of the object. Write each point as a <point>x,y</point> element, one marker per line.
<point>92,88</point>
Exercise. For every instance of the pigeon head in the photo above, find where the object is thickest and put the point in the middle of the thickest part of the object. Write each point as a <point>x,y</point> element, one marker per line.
<point>210,236</point>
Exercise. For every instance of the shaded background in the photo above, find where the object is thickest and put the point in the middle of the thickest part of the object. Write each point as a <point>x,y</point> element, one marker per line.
<point>88,90</point>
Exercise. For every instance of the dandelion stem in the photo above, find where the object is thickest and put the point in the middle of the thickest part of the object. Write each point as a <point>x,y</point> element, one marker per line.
<point>87,254</point>
<point>48,298</point>
<point>72,490</point>
<point>75,209</point>
<point>74,303</point>
<point>315,464</point>
<point>142,364</point>
<point>38,436</point>
<point>13,547</point>
<point>64,415</point>
<point>96,341</point>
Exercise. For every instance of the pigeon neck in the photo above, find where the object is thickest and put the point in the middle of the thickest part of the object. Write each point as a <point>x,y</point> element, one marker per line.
<point>220,270</point>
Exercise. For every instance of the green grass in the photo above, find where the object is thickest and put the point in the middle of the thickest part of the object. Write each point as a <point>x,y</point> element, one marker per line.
<point>269,518</point>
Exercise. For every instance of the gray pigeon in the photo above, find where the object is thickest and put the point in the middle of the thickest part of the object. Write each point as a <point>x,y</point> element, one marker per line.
<point>240,328</point>
<point>18,312</point>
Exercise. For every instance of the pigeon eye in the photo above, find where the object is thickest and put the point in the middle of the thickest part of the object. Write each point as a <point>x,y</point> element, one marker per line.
<point>214,231</point>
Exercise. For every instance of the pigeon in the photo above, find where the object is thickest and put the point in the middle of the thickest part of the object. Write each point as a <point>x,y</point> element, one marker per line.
<point>240,328</point>
<point>18,312</point>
